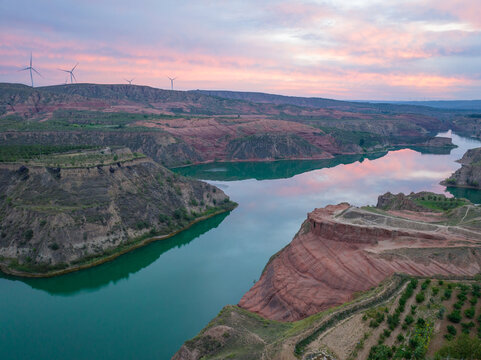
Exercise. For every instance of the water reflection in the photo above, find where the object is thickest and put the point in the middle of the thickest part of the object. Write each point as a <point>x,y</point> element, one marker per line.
<point>267,170</point>
<point>121,268</point>
<point>283,169</point>
<point>472,195</point>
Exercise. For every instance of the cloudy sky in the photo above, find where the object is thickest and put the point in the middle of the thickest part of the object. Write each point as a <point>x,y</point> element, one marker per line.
<point>350,49</point>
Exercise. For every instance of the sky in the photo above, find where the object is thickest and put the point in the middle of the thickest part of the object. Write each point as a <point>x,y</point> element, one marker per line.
<point>350,49</point>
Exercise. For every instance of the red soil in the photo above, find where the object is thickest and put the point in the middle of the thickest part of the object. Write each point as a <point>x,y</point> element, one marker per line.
<point>336,257</point>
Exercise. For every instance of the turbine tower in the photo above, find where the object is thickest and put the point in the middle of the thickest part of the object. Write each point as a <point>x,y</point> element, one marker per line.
<point>171,82</point>
<point>72,76</point>
<point>129,81</point>
<point>30,68</point>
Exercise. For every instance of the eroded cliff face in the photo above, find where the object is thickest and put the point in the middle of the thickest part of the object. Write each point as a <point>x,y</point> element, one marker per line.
<point>469,175</point>
<point>55,218</point>
<point>341,250</point>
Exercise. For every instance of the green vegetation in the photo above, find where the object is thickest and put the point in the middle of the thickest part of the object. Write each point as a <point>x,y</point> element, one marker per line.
<point>65,156</point>
<point>13,153</point>
<point>420,297</point>
<point>380,312</point>
<point>365,140</point>
<point>75,120</point>
<point>341,315</point>
<point>455,316</point>
<point>440,202</point>
<point>464,347</point>
<point>380,352</point>
<point>28,234</point>
<point>450,181</point>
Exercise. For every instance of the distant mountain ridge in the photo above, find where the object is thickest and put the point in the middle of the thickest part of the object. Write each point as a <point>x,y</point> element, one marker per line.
<point>473,105</point>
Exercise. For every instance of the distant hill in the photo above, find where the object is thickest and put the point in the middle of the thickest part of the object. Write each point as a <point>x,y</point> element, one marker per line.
<point>184,127</point>
<point>473,105</point>
<point>315,102</point>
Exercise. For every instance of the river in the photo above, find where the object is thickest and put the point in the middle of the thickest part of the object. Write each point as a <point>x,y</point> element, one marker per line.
<point>145,304</point>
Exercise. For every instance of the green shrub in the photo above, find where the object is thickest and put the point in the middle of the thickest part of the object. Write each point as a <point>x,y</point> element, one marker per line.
<point>449,337</point>
<point>380,352</point>
<point>425,284</point>
<point>28,234</point>
<point>447,293</point>
<point>420,297</point>
<point>408,319</point>
<point>458,305</point>
<point>451,330</point>
<point>139,225</point>
<point>163,218</point>
<point>467,327</point>
<point>421,322</point>
<point>469,313</point>
<point>476,290</point>
<point>455,316</point>
<point>393,320</point>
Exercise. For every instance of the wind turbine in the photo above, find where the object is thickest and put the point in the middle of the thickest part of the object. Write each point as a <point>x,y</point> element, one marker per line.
<point>129,81</point>
<point>72,76</point>
<point>171,82</point>
<point>30,68</point>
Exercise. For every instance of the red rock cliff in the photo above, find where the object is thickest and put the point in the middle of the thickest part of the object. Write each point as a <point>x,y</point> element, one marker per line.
<point>341,250</point>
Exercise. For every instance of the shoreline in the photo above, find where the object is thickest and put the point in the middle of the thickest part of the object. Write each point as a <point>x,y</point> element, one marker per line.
<point>386,149</point>
<point>459,186</point>
<point>25,274</point>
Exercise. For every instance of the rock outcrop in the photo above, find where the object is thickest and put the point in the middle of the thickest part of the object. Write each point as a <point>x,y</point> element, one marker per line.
<point>341,250</point>
<point>469,175</point>
<point>69,210</point>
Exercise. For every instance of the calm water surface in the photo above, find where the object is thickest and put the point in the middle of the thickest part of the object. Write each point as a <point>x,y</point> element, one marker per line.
<point>145,304</point>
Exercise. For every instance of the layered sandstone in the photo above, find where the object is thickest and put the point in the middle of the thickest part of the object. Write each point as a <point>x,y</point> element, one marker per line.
<point>341,250</point>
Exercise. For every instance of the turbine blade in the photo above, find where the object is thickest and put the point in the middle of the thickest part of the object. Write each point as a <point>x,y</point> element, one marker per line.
<point>24,69</point>
<point>74,67</point>
<point>31,59</point>
<point>74,77</point>
<point>37,72</point>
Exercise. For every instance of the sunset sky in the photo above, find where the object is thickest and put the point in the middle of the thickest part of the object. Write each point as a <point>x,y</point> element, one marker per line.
<point>356,49</point>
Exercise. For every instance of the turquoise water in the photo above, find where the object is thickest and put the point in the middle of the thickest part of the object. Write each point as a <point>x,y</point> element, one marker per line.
<point>145,304</point>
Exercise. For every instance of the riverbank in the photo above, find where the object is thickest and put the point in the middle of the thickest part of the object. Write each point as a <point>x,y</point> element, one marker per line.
<point>135,243</point>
